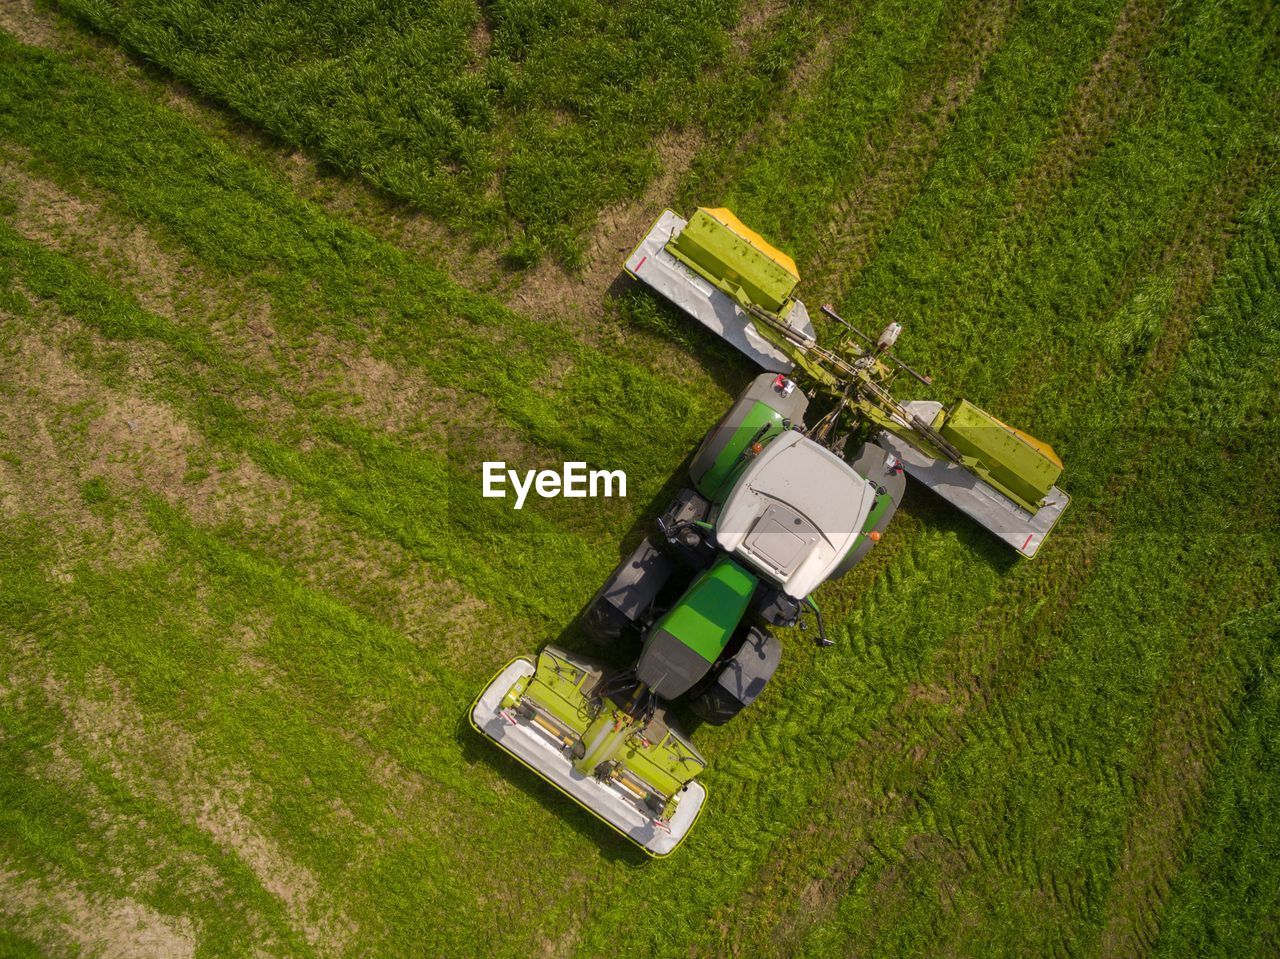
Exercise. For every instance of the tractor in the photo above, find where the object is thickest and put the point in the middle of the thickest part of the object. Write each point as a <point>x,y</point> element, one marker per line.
<point>793,487</point>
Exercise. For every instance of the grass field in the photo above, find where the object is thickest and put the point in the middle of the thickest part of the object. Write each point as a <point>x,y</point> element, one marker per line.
<point>272,284</point>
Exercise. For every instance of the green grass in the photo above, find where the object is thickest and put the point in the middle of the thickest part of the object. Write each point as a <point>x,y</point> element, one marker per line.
<point>516,120</point>
<point>1226,893</point>
<point>1068,757</point>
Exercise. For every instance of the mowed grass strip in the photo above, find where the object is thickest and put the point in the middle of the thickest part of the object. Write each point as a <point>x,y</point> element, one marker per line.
<point>1036,840</point>
<point>421,500</point>
<point>51,831</point>
<point>333,714</point>
<point>310,727</point>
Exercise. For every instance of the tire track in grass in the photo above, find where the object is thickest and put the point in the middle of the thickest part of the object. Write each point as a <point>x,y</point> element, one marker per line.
<point>1012,808</point>
<point>1237,333</point>
<point>920,893</point>
<point>856,815</point>
<point>1026,86</point>
<point>807,848</point>
<point>893,172</point>
<point>1186,737</point>
<point>1173,328</point>
<point>794,176</point>
<point>1223,899</point>
<point>1206,636</point>
<point>1118,82</point>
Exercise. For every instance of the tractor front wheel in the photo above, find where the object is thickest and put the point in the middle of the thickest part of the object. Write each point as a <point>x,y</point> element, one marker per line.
<point>738,680</point>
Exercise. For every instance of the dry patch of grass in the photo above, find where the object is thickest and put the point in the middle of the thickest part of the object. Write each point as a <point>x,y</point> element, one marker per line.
<point>59,916</point>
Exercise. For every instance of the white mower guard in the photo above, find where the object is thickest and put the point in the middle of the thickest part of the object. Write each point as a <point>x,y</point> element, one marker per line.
<point>652,265</point>
<point>964,490</point>
<point>535,750</point>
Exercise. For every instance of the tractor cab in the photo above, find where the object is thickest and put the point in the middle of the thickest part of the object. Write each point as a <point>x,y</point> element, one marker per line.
<point>794,514</point>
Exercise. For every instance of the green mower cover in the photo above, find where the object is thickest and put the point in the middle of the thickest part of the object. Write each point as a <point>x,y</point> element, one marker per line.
<point>638,776</point>
<point>719,247</point>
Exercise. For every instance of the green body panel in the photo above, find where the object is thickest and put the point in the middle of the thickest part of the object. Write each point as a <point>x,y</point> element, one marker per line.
<point>1008,461</point>
<point>729,261</point>
<point>711,609</point>
<point>562,690</point>
<point>556,686</point>
<point>716,482</point>
<point>883,502</point>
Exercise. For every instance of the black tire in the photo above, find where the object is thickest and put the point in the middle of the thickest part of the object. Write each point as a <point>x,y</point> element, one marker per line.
<point>738,680</point>
<point>714,705</point>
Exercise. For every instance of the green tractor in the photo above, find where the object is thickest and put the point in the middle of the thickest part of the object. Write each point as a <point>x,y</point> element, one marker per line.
<point>779,501</point>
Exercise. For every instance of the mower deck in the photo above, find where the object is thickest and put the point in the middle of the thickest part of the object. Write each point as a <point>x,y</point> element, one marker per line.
<point>1022,530</point>
<point>610,803</point>
<point>652,265</point>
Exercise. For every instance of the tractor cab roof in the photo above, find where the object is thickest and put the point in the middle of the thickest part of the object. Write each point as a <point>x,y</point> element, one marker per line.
<point>794,513</point>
